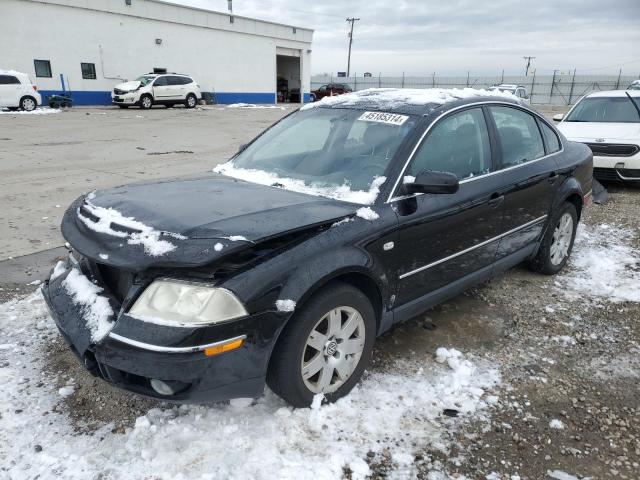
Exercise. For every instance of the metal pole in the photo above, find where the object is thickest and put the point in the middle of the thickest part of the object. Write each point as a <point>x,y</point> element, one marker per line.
<point>433,80</point>
<point>502,78</point>
<point>352,21</point>
<point>573,80</point>
<point>467,78</point>
<point>402,79</point>
<point>553,82</point>
<point>533,83</point>
<point>355,81</point>
<point>379,80</point>
<point>618,82</point>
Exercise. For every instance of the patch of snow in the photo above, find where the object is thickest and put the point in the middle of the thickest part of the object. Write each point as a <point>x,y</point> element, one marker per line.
<point>237,238</point>
<point>340,192</point>
<point>261,439</point>
<point>367,214</point>
<point>285,305</point>
<point>408,179</point>
<point>556,424</point>
<point>564,339</point>
<point>96,309</point>
<point>604,265</point>
<point>58,270</point>
<point>103,256</point>
<point>35,282</point>
<point>252,105</point>
<point>560,475</point>
<point>66,391</point>
<point>395,97</point>
<point>317,401</point>
<point>37,111</point>
<point>218,247</point>
<point>148,237</point>
<point>341,222</point>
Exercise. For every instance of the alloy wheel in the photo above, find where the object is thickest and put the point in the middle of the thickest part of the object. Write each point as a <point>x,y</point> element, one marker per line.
<point>333,350</point>
<point>28,104</point>
<point>146,102</point>
<point>191,101</point>
<point>561,239</point>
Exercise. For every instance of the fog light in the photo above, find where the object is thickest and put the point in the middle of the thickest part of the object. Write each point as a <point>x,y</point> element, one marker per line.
<point>619,165</point>
<point>167,387</point>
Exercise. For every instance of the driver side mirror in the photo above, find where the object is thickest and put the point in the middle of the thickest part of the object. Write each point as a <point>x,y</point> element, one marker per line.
<point>433,182</point>
<point>558,117</point>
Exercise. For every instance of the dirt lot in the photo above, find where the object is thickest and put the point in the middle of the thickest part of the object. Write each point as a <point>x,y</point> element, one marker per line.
<point>564,351</point>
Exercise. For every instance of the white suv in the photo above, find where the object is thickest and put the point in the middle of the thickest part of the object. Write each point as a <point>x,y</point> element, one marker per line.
<point>518,90</point>
<point>17,91</point>
<point>153,89</point>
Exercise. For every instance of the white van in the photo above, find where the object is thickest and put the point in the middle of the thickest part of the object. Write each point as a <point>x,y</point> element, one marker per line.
<point>157,89</point>
<point>17,91</point>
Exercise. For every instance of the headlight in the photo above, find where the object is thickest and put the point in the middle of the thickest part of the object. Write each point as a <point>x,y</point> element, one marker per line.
<point>175,303</point>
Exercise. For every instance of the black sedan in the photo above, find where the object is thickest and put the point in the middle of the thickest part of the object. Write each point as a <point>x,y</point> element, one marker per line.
<point>339,221</point>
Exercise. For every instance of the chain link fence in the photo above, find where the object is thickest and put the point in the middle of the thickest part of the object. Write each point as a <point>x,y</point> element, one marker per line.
<point>556,89</point>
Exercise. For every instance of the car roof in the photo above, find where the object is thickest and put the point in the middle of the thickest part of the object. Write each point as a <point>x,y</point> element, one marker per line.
<point>614,93</point>
<point>12,72</point>
<point>411,101</point>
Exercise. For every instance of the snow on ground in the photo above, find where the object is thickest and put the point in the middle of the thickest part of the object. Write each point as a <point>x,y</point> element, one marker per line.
<point>251,105</point>
<point>604,265</point>
<point>339,192</point>
<point>262,439</point>
<point>37,111</point>
<point>148,237</point>
<point>393,97</point>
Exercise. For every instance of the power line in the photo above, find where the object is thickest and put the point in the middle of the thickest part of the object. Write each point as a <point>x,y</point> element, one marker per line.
<point>352,21</point>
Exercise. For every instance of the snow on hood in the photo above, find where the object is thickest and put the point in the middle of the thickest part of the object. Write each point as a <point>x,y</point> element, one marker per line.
<point>132,85</point>
<point>589,131</point>
<point>396,97</point>
<point>341,192</point>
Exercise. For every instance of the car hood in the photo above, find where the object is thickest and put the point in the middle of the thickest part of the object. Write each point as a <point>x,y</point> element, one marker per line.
<point>189,221</point>
<point>590,131</point>
<point>132,85</point>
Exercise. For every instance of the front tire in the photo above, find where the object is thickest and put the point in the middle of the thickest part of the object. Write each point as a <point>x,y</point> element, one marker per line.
<point>557,242</point>
<point>28,104</point>
<point>146,102</point>
<point>191,101</point>
<point>325,347</point>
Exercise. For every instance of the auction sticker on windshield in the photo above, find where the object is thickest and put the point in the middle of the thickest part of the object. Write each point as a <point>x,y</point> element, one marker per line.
<point>380,117</point>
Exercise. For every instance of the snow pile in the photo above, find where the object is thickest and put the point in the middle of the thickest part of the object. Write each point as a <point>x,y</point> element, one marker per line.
<point>556,424</point>
<point>340,192</point>
<point>146,236</point>
<point>396,409</point>
<point>390,98</point>
<point>236,238</point>
<point>560,475</point>
<point>285,305</point>
<point>37,111</point>
<point>58,270</point>
<point>367,214</point>
<point>95,308</point>
<point>251,105</point>
<point>603,264</point>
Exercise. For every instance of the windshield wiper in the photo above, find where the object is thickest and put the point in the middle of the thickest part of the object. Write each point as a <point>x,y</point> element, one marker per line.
<point>634,103</point>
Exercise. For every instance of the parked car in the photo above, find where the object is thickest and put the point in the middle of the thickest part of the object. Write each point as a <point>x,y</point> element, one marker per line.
<point>330,90</point>
<point>635,85</point>
<point>609,124</point>
<point>518,90</point>
<point>17,91</point>
<point>339,221</point>
<point>153,89</point>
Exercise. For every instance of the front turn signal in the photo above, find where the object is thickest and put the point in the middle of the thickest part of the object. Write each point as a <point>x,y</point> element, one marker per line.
<point>223,347</point>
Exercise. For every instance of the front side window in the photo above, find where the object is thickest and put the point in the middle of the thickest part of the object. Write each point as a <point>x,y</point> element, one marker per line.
<point>605,109</point>
<point>9,80</point>
<point>519,136</point>
<point>88,71</point>
<point>43,68</point>
<point>161,82</point>
<point>328,147</point>
<point>550,137</point>
<point>458,144</point>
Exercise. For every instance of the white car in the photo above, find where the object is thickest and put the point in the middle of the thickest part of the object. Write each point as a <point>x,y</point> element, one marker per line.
<point>518,90</point>
<point>17,91</point>
<point>157,89</point>
<point>635,85</point>
<point>609,123</point>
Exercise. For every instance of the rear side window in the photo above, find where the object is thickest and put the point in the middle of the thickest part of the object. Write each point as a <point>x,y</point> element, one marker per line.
<point>458,144</point>
<point>9,80</point>
<point>550,137</point>
<point>43,68</point>
<point>519,136</point>
<point>88,71</point>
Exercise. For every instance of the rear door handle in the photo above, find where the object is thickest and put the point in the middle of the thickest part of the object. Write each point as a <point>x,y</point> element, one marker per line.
<point>496,200</point>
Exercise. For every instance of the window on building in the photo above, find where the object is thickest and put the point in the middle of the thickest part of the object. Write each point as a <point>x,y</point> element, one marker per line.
<point>43,68</point>
<point>88,71</point>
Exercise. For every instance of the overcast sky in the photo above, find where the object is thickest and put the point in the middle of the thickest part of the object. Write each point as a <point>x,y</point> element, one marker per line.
<point>452,36</point>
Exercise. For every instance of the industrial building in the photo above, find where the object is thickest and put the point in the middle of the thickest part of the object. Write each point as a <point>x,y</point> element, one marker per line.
<point>87,47</point>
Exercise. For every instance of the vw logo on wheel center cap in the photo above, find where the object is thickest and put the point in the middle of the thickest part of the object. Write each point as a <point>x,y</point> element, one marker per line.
<point>331,347</point>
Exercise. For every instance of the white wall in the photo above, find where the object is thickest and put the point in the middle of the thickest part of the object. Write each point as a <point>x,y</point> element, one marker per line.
<point>222,56</point>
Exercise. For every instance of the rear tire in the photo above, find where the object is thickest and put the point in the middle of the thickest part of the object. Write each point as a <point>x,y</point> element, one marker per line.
<point>28,104</point>
<point>339,361</point>
<point>557,243</point>
<point>146,102</point>
<point>191,101</point>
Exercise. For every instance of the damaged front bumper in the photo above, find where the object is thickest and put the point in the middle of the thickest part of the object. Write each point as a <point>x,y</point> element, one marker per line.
<point>166,362</point>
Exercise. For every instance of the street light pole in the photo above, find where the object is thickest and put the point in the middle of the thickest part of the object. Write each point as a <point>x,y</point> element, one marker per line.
<point>352,21</point>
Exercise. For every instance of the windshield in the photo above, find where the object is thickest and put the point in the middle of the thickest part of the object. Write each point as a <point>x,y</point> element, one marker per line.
<point>145,80</point>
<point>338,153</point>
<point>605,109</point>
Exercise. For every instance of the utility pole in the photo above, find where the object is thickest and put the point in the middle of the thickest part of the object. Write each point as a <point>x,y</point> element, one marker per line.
<point>352,21</point>
<point>528,64</point>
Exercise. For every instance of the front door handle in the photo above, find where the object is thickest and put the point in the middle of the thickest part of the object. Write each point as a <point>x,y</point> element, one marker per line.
<point>496,200</point>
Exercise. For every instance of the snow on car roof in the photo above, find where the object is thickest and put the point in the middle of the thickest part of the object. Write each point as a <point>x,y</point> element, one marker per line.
<point>11,72</point>
<point>615,93</point>
<point>410,100</point>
